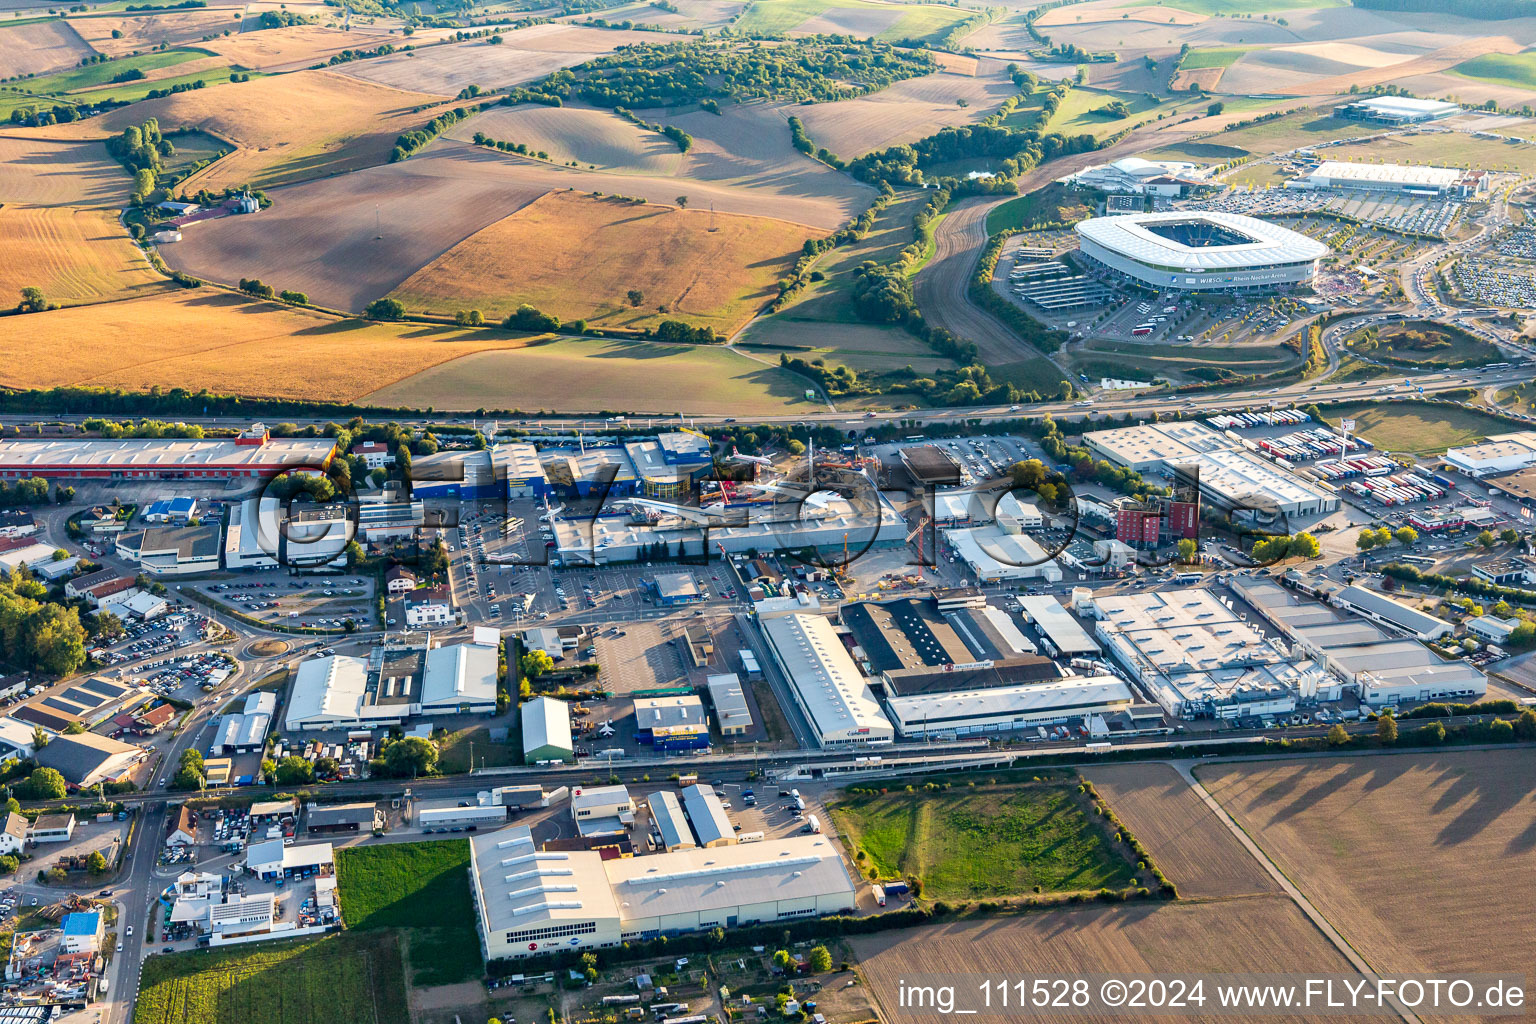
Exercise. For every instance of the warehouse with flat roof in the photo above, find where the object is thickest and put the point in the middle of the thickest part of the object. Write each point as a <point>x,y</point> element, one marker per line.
<point>1155,446</point>
<point>1500,453</point>
<point>733,716</point>
<point>669,822</point>
<point>1409,180</point>
<point>530,901</point>
<point>827,685</point>
<point>1237,481</point>
<point>962,713</point>
<point>1395,110</point>
<point>253,454</point>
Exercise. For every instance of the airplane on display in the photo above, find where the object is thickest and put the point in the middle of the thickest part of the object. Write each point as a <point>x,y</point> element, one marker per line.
<point>757,460</point>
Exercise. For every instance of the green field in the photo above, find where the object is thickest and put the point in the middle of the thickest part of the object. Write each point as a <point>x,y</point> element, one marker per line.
<point>1215,8</point>
<point>64,87</point>
<point>1142,362</point>
<point>831,298</point>
<point>1454,149</point>
<point>983,842</point>
<point>346,976</point>
<point>1418,428</point>
<point>103,73</point>
<point>1302,128</point>
<point>454,751</point>
<point>928,22</point>
<point>1516,70</point>
<point>1214,57</point>
<point>1418,343</point>
<point>422,889</point>
<point>1052,204</point>
<point>1077,113</point>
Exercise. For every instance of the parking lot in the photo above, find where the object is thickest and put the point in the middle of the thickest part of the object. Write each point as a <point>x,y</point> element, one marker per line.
<point>159,636</point>
<point>1503,283</point>
<point>318,601</point>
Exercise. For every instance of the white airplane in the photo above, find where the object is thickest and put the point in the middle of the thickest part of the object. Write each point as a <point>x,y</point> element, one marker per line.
<point>797,492</point>
<point>552,513</point>
<point>759,460</point>
<point>714,515</point>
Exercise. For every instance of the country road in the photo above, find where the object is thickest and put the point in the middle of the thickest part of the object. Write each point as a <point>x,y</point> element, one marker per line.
<point>940,288</point>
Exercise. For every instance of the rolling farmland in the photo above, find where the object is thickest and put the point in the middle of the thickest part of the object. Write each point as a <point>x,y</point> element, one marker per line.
<point>707,269</point>
<point>595,374</point>
<point>591,137</point>
<point>906,111</point>
<point>39,48</point>
<point>147,31</point>
<point>1187,841</point>
<point>523,56</point>
<point>227,344</point>
<point>285,128</point>
<point>1265,933</point>
<point>1446,835</point>
<point>59,172</point>
<point>72,255</point>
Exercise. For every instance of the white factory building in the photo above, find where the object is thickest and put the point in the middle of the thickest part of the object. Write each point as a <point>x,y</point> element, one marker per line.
<point>1152,447</point>
<point>996,554</point>
<point>1198,658</point>
<point>1395,110</point>
<point>340,691</point>
<point>1061,632</point>
<point>940,716</point>
<point>1501,453</point>
<point>621,538</point>
<point>1409,180</point>
<point>261,535</point>
<point>828,686</point>
<point>530,901</point>
<point>1390,612</point>
<point>1235,480</point>
<point>1382,668</point>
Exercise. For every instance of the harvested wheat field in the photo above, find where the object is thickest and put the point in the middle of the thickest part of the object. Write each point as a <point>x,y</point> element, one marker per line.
<point>40,48</point>
<point>1261,934</point>
<point>1206,78</point>
<point>588,136</point>
<point>748,146</point>
<point>284,128</point>
<point>74,256</point>
<point>523,56</point>
<point>906,111</point>
<point>148,31</point>
<point>297,46</point>
<point>1186,839</point>
<point>1328,70</point>
<point>211,339</point>
<point>707,269</point>
<point>688,13</point>
<point>1419,859</point>
<point>322,238</point>
<point>40,171</point>
<point>590,375</point>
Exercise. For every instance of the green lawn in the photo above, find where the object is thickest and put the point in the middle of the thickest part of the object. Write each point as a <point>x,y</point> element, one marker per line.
<point>347,976</point>
<point>1302,128</point>
<point>101,74</point>
<point>422,888</point>
<point>1228,7</point>
<point>1215,57</point>
<point>454,751</point>
<point>1516,70</point>
<point>984,842</point>
<point>928,22</point>
<point>1418,428</point>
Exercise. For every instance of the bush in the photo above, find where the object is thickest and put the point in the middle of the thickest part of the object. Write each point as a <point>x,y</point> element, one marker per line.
<point>384,309</point>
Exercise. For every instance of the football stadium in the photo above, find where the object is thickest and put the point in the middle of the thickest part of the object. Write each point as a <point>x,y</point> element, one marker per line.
<point>1200,251</point>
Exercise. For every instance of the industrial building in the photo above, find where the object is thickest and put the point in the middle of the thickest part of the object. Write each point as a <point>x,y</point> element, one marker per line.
<point>669,822</point>
<point>1380,668</point>
<point>1135,176</point>
<point>359,817</point>
<point>711,825</point>
<point>671,723</point>
<point>827,685</point>
<point>546,730</point>
<point>1408,180</point>
<point>1153,447</point>
<point>465,475</point>
<point>1063,636</point>
<point>1395,110</point>
<point>1236,481</point>
<point>518,464</point>
<point>588,471</point>
<point>1198,658</point>
<point>246,731</point>
<point>253,454</point>
<point>531,901</point>
<point>84,759</point>
<point>733,716</point>
<point>962,713</point>
<point>273,859</point>
<point>998,553</point>
<point>172,550</point>
<point>264,532</point>
<point>602,810</point>
<point>1390,612</point>
<point>391,685</point>
<point>177,511</point>
<point>1501,453</point>
<point>675,588</point>
<point>1200,251</point>
<point>930,465</point>
<point>626,537</point>
<point>949,640</point>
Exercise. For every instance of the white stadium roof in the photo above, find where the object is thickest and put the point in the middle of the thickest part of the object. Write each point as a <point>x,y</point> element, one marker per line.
<point>1270,244</point>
